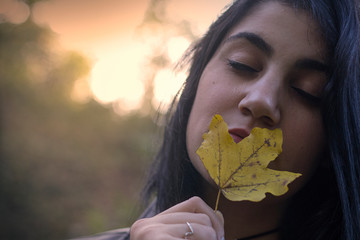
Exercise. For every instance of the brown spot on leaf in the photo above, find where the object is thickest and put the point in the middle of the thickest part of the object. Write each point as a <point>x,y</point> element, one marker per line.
<point>285,182</point>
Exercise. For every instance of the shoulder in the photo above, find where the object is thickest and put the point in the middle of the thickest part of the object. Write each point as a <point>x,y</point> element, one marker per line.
<point>117,234</point>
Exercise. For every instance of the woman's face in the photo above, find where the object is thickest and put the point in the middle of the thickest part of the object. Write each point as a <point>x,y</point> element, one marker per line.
<point>268,72</point>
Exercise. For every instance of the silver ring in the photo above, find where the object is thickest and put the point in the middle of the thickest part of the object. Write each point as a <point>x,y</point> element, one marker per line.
<point>188,234</point>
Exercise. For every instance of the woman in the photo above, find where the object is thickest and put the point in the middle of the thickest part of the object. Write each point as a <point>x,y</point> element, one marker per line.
<point>289,64</point>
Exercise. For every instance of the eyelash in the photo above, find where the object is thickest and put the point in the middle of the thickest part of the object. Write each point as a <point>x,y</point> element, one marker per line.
<point>241,67</point>
<point>238,66</point>
<point>309,97</point>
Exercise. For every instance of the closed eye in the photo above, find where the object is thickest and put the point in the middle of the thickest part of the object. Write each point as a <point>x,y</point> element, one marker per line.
<point>241,67</point>
<point>307,96</point>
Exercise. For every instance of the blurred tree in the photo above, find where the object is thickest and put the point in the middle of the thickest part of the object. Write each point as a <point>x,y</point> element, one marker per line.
<point>66,168</point>
<point>31,2</point>
<point>156,29</point>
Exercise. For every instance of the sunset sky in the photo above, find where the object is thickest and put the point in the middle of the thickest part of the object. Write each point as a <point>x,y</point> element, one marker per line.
<point>117,40</point>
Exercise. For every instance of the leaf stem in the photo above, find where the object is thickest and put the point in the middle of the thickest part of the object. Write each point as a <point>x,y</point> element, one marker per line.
<point>217,200</point>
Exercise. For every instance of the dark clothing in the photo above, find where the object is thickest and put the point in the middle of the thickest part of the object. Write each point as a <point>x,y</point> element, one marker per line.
<point>122,233</point>
<point>118,234</point>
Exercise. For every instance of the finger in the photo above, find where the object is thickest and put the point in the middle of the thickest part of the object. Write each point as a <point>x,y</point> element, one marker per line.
<point>197,205</point>
<point>220,216</point>
<point>145,230</point>
<point>192,205</point>
<point>197,231</point>
<point>183,217</point>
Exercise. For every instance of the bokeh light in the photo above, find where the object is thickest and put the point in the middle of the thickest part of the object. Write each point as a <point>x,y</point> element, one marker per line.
<point>13,11</point>
<point>125,47</point>
<point>116,76</point>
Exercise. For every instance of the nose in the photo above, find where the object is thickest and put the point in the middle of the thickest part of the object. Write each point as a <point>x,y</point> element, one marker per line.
<point>261,102</point>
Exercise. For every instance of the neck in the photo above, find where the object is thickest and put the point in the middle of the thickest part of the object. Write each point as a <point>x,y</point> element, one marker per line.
<point>245,218</point>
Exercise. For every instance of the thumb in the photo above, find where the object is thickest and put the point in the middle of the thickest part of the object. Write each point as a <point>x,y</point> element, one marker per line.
<point>220,216</point>
<point>221,219</point>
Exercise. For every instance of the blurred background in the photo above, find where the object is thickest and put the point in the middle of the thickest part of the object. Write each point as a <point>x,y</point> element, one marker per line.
<point>83,88</point>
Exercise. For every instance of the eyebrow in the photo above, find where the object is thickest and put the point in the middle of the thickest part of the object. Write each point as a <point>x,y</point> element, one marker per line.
<point>254,39</point>
<point>260,43</point>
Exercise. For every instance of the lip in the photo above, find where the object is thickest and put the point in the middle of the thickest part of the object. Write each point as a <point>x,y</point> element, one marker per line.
<point>238,134</point>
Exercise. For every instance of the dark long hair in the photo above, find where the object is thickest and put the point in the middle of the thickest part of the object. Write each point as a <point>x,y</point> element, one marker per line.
<point>328,207</point>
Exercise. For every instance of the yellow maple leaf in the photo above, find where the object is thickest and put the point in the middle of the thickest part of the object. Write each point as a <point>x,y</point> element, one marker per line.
<point>240,169</point>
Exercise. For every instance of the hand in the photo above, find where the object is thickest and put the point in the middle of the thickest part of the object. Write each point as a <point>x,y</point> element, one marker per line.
<point>171,224</point>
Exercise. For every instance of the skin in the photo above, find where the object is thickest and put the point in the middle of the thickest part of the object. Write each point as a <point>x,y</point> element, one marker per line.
<point>272,85</point>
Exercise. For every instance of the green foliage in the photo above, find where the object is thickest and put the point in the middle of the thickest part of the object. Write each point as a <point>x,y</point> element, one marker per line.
<point>31,2</point>
<point>66,168</point>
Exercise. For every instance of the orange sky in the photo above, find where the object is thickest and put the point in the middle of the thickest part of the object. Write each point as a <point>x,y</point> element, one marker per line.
<point>85,21</point>
<point>105,31</point>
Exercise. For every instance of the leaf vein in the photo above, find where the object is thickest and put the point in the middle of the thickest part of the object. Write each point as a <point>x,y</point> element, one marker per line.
<point>242,164</point>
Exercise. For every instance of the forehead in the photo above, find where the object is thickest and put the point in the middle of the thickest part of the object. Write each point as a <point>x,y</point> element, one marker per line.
<point>283,27</point>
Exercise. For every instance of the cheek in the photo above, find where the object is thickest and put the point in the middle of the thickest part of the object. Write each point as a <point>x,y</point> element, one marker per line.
<point>304,144</point>
<point>305,150</point>
<point>209,101</point>
<point>198,123</point>
<point>196,127</point>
